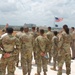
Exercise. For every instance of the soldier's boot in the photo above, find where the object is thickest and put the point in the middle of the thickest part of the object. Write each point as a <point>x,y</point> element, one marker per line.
<point>24,72</point>
<point>68,72</point>
<point>37,73</point>
<point>17,64</point>
<point>21,64</point>
<point>54,68</point>
<point>28,73</point>
<point>35,61</point>
<point>45,73</point>
<point>49,61</point>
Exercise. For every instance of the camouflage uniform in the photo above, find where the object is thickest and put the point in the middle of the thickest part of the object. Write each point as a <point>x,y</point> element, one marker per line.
<point>18,35</point>
<point>73,44</point>
<point>55,41</point>
<point>7,44</point>
<point>49,36</point>
<point>34,34</point>
<point>26,53</point>
<point>64,54</point>
<point>42,44</point>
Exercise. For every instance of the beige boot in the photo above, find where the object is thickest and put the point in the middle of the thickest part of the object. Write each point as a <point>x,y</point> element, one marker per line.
<point>16,64</point>
<point>45,73</point>
<point>37,73</point>
<point>53,69</point>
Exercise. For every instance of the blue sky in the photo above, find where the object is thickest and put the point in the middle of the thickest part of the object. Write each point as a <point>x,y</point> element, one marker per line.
<point>39,12</point>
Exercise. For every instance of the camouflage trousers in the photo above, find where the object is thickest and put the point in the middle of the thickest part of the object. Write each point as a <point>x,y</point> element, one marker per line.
<point>73,48</point>
<point>35,56</point>
<point>54,59</point>
<point>50,55</point>
<point>26,61</point>
<point>8,63</point>
<point>41,62</point>
<point>67,60</point>
<point>17,58</point>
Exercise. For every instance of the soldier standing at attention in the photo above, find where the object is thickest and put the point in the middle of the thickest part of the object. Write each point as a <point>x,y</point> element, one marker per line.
<point>7,44</point>
<point>42,44</point>
<point>49,36</point>
<point>34,34</point>
<point>55,41</point>
<point>64,51</point>
<point>18,35</point>
<point>26,53</point>
<point>73,42</point>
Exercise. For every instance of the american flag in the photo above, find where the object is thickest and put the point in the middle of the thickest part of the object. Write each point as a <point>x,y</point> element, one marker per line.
<point>58,19</point>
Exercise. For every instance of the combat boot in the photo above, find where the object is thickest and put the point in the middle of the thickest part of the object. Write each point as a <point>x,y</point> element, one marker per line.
<point>53,69</point>
<point>68,74</point>
<point>37,73</point>
<point>16,64</point>
<point>45,73</point>
<point>28,73</point>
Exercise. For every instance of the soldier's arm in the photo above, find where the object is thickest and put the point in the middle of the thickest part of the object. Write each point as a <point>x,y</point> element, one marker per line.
<point>17,47</point>
<point>47,35</point>
<point>1,47</point>
<point>36,45</point>
<point>60,42</point>
<point>47,44</point>
<point>33,42</point>
<point>1,52</point>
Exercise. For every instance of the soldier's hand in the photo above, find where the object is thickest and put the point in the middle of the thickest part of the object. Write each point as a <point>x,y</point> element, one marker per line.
<point>42,54</point>
<point>6,55</point>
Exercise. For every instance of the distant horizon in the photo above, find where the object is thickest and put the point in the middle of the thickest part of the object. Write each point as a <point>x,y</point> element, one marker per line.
<point>37,25</point>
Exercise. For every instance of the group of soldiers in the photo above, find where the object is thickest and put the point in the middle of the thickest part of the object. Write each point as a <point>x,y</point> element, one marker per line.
<point>38,44</point>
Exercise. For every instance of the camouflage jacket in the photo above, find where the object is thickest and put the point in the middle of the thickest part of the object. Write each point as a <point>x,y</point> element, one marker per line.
<point>34,35</point>
<point>26,40</point>
<point>10,44</point>
<point>73,35</point>
<point>64,43</point>
<point>55,41</point>
<point>49,35</point>
<point>18,34</point>
<point>41,44</point>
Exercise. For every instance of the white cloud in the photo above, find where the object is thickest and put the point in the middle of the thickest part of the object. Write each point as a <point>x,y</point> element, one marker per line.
<point>40,12</point>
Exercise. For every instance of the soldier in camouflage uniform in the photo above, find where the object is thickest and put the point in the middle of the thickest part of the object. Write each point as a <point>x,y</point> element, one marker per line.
<point>26,53</point>
<point>49,36</point>
<point>55,41</point>
<point>18,34</point>
<point>34,34</point>
<point>73,42</point>
<point>7,44</point>
<point>64,54</point>
<point>42,44</point>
